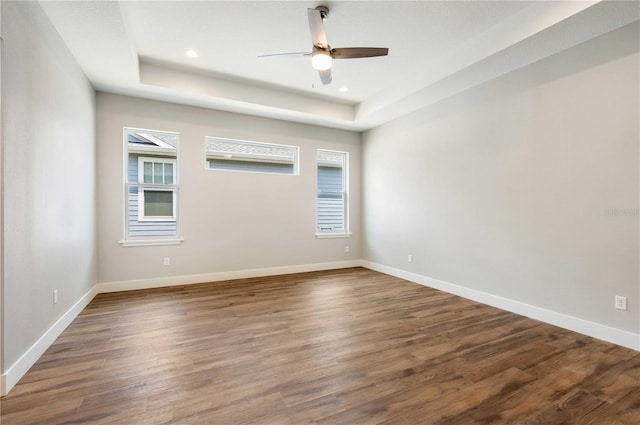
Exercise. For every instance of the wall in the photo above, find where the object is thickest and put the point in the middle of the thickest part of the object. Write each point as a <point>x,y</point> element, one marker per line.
<point>230,221</point>
<point>48,173</point>
<point>2,320</point>
<point>523,191</point>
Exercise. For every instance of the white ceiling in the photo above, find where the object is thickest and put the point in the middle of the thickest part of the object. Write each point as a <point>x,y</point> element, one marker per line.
<point>436,49</point>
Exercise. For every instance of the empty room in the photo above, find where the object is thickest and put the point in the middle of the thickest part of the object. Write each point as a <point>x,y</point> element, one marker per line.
<point>320,213</point>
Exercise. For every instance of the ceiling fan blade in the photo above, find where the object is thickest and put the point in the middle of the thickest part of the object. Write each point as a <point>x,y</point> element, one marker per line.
<point>286,54</point>
<point>325,76</point>
<point>318,36</point>
<point>358,52</point>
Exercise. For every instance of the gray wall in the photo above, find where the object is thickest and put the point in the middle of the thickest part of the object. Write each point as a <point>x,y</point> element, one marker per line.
<point>230,221</point>
<point>48,173</point>
<point>526,187</point>
<point>2,319</point>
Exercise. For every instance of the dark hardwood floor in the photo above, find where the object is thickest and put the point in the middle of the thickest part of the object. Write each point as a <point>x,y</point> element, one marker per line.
<point>340,347</point>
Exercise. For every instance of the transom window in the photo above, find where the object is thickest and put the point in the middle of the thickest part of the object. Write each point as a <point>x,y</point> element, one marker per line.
<point>257,157</point>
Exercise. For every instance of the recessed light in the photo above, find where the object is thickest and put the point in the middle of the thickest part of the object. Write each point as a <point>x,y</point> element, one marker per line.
<point>344,89</point>
<point>191,53</point>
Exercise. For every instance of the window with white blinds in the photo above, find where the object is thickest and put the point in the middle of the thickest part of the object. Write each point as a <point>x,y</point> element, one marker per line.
<point>256,157</point>
<point>331,205</point>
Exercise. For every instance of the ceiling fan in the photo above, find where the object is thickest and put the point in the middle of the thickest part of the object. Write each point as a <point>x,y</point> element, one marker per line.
<point>322,54</point>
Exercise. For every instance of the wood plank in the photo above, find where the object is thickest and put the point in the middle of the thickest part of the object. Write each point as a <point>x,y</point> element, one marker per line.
<point>338,347</point>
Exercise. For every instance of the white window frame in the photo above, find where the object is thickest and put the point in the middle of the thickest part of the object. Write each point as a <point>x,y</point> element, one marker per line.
<point>155,187</point>
<point>128,240</point>
<point>343,233</point>
<point>238,155</point>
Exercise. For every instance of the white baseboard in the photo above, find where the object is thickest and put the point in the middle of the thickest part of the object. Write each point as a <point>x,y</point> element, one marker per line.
<point>28,359</point>
<point>596,330</point>
<point>585,327</point>
<point>129,285</point>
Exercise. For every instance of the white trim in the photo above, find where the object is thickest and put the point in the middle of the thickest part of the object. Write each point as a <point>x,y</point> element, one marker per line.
<point>151,242</point>
<point>329,235</point>
<point>148,130</point>
<point>130,285</point>
<point>585,327</point>
<point>28,359</point>
<point>13,374</point>
<point>152,150</point>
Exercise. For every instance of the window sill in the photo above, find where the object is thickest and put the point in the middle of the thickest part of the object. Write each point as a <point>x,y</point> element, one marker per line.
<point>151,242</point>
<point>332,235</point>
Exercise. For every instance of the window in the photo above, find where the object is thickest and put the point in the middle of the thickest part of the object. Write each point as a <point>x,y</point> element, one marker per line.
<point>241,155</point>
<point>158,201</point>
<point>151,187</point>
<point>331,207</point>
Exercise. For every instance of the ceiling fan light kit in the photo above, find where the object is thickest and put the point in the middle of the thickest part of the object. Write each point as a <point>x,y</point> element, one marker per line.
<point>322,54</point>
<point>321,59</point>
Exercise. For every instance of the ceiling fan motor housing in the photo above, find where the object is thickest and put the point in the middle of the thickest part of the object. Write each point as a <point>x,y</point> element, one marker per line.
<point>324,12</point>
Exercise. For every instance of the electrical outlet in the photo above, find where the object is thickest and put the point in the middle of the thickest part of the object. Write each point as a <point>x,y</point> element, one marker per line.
<point>410,258</point>
<point>55,296</point>
<point>346,248</point>
<point>621,303</point>
<point>167,261</point>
